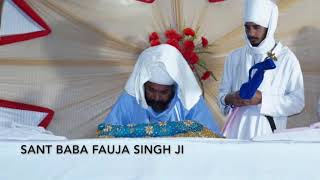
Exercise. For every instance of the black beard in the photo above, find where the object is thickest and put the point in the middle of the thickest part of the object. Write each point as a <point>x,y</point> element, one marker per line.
<point>252,43</point>
<point>158,106</point>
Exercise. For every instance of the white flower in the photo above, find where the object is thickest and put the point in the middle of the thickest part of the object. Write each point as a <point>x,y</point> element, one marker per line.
<point>149,130</point>
<point>108,128</point>
<point>163,123</point>
<point>188,123</point>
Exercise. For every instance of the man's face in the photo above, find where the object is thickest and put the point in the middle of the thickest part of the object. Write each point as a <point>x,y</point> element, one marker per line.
<point>255,33</point>
<point>158,96</point>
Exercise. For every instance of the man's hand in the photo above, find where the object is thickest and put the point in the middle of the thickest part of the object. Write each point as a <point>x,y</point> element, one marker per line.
<point>257,99</point>
<point>234,99</point>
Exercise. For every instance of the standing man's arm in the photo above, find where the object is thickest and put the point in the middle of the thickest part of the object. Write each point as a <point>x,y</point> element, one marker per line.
<point>226,96</point>
<point>225,86</point>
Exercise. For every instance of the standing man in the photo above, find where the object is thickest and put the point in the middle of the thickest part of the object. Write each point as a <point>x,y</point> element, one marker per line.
<point>281,93</point>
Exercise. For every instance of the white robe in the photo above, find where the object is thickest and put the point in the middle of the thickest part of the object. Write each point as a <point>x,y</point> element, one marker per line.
<point>282,92</point>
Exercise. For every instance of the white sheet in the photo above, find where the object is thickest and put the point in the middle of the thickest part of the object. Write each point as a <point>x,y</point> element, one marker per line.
<point>10,130</point>
<point>203,159</point>
<point>304,134</point>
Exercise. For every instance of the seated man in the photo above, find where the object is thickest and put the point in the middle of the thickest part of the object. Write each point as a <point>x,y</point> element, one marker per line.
<point>161,88</point>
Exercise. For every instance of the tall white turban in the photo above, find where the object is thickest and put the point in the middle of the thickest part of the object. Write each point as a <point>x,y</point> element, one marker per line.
<point>159,75</point>
<point>164,64</point>
<point>264,13</point>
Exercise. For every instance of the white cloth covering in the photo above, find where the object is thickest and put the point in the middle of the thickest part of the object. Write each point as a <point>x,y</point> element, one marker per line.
<point>203,158</point>
<point>169,58</point>
<point>11,130</point>
<point>159,75</point>
<point>258,11</point>
<point>302,134</point>
<point>315,125</point>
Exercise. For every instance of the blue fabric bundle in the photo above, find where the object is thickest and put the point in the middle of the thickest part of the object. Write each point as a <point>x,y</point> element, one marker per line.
<point>161,129</point>
<point>248,89</point>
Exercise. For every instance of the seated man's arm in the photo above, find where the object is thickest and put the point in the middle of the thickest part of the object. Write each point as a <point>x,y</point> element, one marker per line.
<point>118,112</point>
<point>202,114</point>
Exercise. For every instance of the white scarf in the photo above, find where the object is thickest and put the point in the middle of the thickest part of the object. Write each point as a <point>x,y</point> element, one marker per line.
<point>165,57</point>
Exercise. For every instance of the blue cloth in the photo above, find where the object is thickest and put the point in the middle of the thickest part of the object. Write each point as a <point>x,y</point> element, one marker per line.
<point>248,89</point>
<point>162,129</point>
<point>127,111</point>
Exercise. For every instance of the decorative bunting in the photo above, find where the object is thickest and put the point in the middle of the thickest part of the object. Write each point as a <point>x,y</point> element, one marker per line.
<point>30,24</point>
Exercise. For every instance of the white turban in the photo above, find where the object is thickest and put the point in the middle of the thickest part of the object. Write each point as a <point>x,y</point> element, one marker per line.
<point>159,75</point>
<point>164,64</point>
<point>264,13</point>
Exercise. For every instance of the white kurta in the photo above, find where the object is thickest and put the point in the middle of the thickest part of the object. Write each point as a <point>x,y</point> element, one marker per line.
<point>282,92</point>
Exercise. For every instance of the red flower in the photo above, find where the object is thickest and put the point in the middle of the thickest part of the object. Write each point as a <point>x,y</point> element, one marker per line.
<point>190,56</point>
<point>188,45</point>
<point>174,43</point>
<point>206,75</point>
<point>185,45</point>
<point>153,36</point>
<point>186,54</point>
<point>204,42</point>
<point>172,34</point>
<point>189,32</point>
<point>155,42</point>
<point>194,58</point>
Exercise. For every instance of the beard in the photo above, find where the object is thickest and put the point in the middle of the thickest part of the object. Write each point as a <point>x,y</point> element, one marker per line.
<point>255,42</point>
<point>158,106</point>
